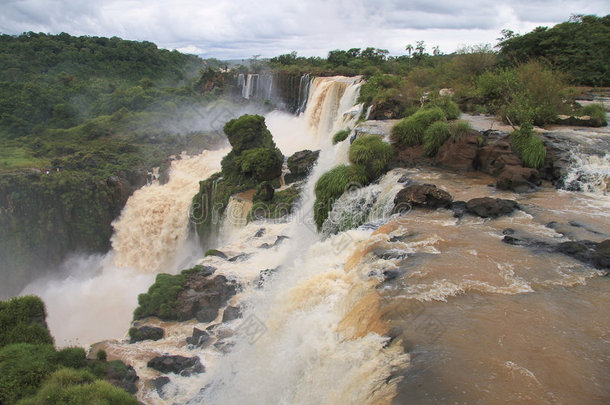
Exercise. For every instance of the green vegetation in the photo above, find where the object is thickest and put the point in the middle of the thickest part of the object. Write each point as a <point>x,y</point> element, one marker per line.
<point>410,131</point>
<point>529,146</point>
<point>248,132</point>
<point>579,48</point>
<point>332,185</point>
<point>435,136</point>
<point>450,109</point>
<point>161,297</point>
<point>340,136</point>
<point>282,204</point>
<point>459,128</point>
<point>597,114</point>
<point>372,153</point>
<point>23,321</point>
<point>68,386</point>
<point>263,164</point>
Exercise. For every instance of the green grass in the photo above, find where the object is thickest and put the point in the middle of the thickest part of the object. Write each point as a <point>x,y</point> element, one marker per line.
<point>372,153</point>
<point>15,157</point>
<point>451,109</point>
<point>410,131</point>
<point>597,114</point>
<point>341,136</point>
<point>23,321</point>
<point>459,128</point>
<point>332,185</point>
<point>161,297</point>
<point>529,146</point>
<point>435,136</point>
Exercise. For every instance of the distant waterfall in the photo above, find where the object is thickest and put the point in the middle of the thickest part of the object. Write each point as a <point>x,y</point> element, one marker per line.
<point>259,86</point>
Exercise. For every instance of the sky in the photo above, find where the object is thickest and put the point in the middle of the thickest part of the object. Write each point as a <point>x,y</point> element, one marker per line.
<point>240,29</point>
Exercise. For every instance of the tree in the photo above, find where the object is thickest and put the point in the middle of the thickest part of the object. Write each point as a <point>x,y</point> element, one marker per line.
<point>409,48</point>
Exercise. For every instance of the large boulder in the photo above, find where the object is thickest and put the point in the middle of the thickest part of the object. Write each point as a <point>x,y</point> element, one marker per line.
<point>460,154</point>
<point>487,207</point>
<point>497,155</point>
<point>145,333</point>
<point>203,297</point>
<point>518,179</point>
<point>200,338</point>
<point>301,162</point>
<point>388,108</point>
<point>423,196</point>
<point>185,366</point>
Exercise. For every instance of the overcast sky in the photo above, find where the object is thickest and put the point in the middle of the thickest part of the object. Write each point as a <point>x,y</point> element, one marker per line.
<point>243,28</point>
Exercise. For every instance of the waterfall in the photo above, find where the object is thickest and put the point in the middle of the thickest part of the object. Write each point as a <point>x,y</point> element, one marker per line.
<point>95,296</point>
<point>590,173</point>
<point>303,93</point>
<point>259,86</point>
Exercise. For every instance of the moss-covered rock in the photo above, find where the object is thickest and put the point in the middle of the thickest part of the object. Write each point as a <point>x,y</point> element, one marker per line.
<point>23,320</point>
<point>248,132</point>
<point>280,205</point>
<point>263,164</point>
<point>410,131</point>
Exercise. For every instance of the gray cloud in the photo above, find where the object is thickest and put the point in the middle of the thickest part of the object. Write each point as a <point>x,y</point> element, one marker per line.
<point>240,28</point>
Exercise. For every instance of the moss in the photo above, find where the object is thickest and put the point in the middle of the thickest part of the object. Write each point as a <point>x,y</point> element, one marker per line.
<point>160,300</point>
<point>332,185</point>
<point>435,136</point>
<point>23,321</point>
<point>341,136</point>
<point>262,163</point>
<point>248,132</point>
<point>529,146</point>
<point>372,153</point>
<point>281,205</point>
<point>410,131</point>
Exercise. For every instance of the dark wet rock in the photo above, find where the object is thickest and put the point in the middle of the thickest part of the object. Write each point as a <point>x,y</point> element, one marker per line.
<point>217,253</point>
<point>159,383</point>
<point>301,162</point>
<point>240,257</point>
<point>145,333</point>
<point>518,179</point>
<point>404,179</point>
<point>259,233</point>
<point>459,208</point>
<point>583,226</point>
<point>390,254</point>
<point>390,275</point>
<point>164,171</point>
<point>572,120</point>
<point>264,276</point>
<point>231,313</point>
<point>460,154</point>
<point>386,109</point>
<point>200,338</point>
<point>487,207</point>
<point>122,376</point>
<point>203,296</point>
<point>264,193</point>
<point>602,254</point>
<point>422,196</point>
<point>278,240</point>
<point>185,366</point>
<point>494,157</point>
<point>552,225</point>
<point>401,237</point>
<point>508,231</point>
<point>394,333</point>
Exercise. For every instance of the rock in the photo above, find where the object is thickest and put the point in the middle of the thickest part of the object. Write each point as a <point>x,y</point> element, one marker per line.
<point>423,196</point>
<point>301,162</point>
<point>508,231</point>
<point>185,366</point>
<point>571,120</point>
<point>259,233</point>
<point>390,254</point>
<point>459,208</point>
<point>231,313</point>
<point>240,257</point>
<point>460,154</point>
<point>278,240</point>
<point>518,179</point>
<point>497,155</point>
<point>159,383</point>
<point>264,275</point>
<point>203,296</point>
<point>145,333</point>
<point>404,179</point>
<point>124,377</point>
<point>265,192</point>
<point>388,108</point>
<point>200,338</point>
<point>217,253</point>
<point>602,254</point>
<point>487,207</point>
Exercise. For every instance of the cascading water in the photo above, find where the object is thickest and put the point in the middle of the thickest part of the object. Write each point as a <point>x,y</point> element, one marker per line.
<point>95,298</point>
<point>256,85</point>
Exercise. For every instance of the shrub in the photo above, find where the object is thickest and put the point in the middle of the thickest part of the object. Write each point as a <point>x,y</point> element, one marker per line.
<point>410,110</point>
<point>161,297</point>
<point>282,204</point>
<point>459,129</point>
<point>248,132</point>
<point>68,386</point>
<point>341,136</point>
<point>332,185</point>
<point>23,367</point>
<point>262,163</point>
<point>435,136</point>
<point>372,153</point>
<point>451,109</point>
<point>597,114</point>
<point>23,321</point>
<point>101,355</point>
<point>74,357</point>
<point>410,131</point>
<point>529,146</point>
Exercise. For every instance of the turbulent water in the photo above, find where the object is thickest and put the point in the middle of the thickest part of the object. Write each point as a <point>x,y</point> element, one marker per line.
<point>472,319</point>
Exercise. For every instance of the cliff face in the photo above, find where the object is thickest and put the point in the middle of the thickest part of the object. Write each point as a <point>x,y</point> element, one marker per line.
<point>43,217</point>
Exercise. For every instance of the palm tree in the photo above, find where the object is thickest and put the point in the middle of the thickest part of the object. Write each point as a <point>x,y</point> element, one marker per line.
<point>409,49</point>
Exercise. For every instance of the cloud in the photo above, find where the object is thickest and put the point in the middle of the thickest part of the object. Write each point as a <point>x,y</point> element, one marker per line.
<point>240,28</point>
